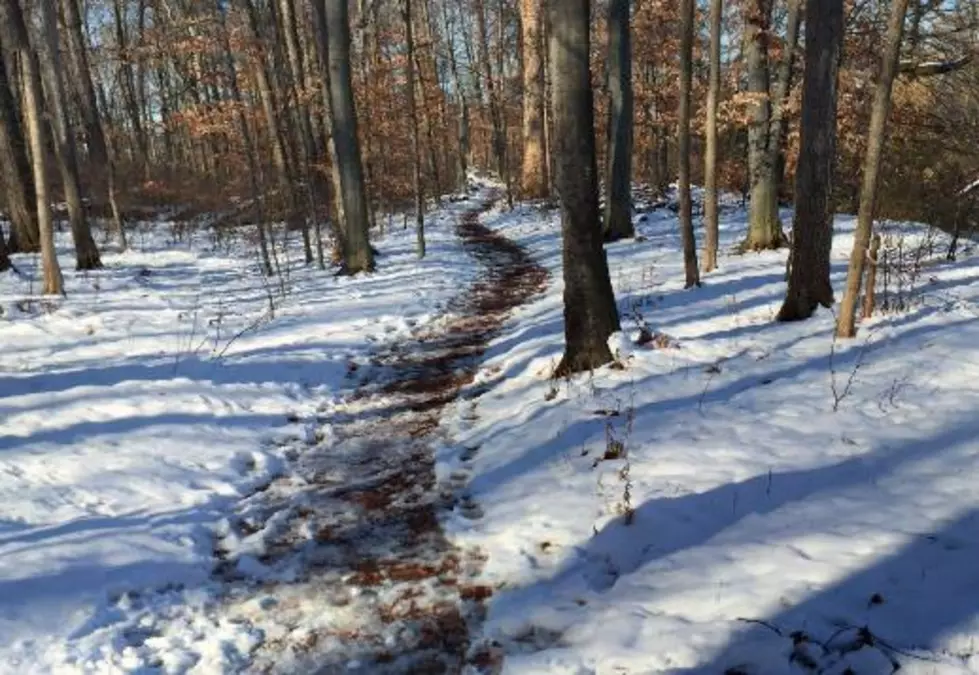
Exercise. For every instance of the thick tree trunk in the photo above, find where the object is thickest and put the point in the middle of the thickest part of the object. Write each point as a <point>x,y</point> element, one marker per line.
<point>812,230</point>
<point>846,324</point>
<point>711,231</point>
<point>533,176</point>
<point>618,193</point>
<point>15,171</point>
<point>86,252</point>
<point>12,21</point>
<point>691,271</point>
<point>358,256</point>
<point>416,167</point>
<point>764,227</point>
<point>590,314</point>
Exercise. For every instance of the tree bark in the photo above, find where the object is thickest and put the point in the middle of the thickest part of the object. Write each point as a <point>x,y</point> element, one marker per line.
<point>15,171</point>
<point>846,324</point>
<point>533,177</point>
<point>711,230</point>
<point>780,96</point>
<point>812,230</point>
<point>13,22</point>
<point>86,252</point>
<point>764,227</point>
<point>691,271</point>
<point>590,314</point>
<point>416,167</point>
<point>98,154</point>
<point>358,256</point>
<point>618,193</point>
<point>462,158</point>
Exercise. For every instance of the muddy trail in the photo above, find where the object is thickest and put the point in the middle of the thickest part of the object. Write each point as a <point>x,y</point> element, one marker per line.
<point>359,576</point>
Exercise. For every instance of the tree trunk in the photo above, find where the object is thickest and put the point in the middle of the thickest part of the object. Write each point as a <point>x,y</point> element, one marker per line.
<point>416,167</point>
<point>462,159</point>
<point>358,256</point>
<point>15,171</point>
<point>13,22</point>
<point>496,117</point>
<point>590,314</point>
<point>691,271</point>
<point>780,96</point>
<point>846,324</point>
<point>711,234</point>
<point>533,175</point>
<point>618,193</point>
<point>4,252</point>
<point>86,252</point>
<point>98,154</point>
<point>812,230</point>
<point>764,227</point>
<point>129,87</point>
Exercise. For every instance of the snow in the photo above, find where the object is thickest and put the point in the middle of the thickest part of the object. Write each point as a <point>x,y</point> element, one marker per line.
<point>137,412</point>
<point>739,496</point>
<point>742,496</point>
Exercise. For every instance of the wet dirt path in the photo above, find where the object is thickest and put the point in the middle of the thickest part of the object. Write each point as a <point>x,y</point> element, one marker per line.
<point>393,594</point>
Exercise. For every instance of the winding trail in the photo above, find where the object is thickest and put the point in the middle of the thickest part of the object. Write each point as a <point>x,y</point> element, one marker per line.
<point>362,530</point>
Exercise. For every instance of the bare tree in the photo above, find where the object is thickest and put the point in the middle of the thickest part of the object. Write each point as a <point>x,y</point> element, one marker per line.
<point>86,252</point>
<point>15,170</point>
<point>357,255</point>
<point>812,231</point>
<point>710,151</point>
<point>415,145</point>
<point>590,314</point>
<point>890,61</point>
<point>534,180</point>
<point>691,271</point>
<point>17,36</point>
<point>618,193</point>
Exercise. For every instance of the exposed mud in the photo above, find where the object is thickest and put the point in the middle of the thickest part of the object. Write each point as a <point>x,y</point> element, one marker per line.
<point>397,596</point>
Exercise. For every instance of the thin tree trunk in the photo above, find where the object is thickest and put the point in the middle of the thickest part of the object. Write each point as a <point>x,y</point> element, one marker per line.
<point>86,252</point>
<point>533,176</point>
<point>711,229</point>
<point>869,297</point>
<point>249,147</point>
<point>13,21</point>
<point>416,169</point>
<point>691,271</point>
<point>590,314</point>
<point>812,230</point>
<point>129,87</point>
<point>462,158</point>
<point>498,140</point>
<point>618,193</point>
<point>780,96</point>
<point>358,256</point>
<point>846,324</point>
<point>98,154</point>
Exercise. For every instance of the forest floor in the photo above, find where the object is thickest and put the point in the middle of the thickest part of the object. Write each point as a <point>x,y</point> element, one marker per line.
<point>204,473</point>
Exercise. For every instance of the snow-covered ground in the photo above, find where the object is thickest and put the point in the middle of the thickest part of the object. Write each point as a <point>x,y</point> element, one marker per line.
<point>138,411</point>
<point>756,521</point>
<point>742,497</point>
